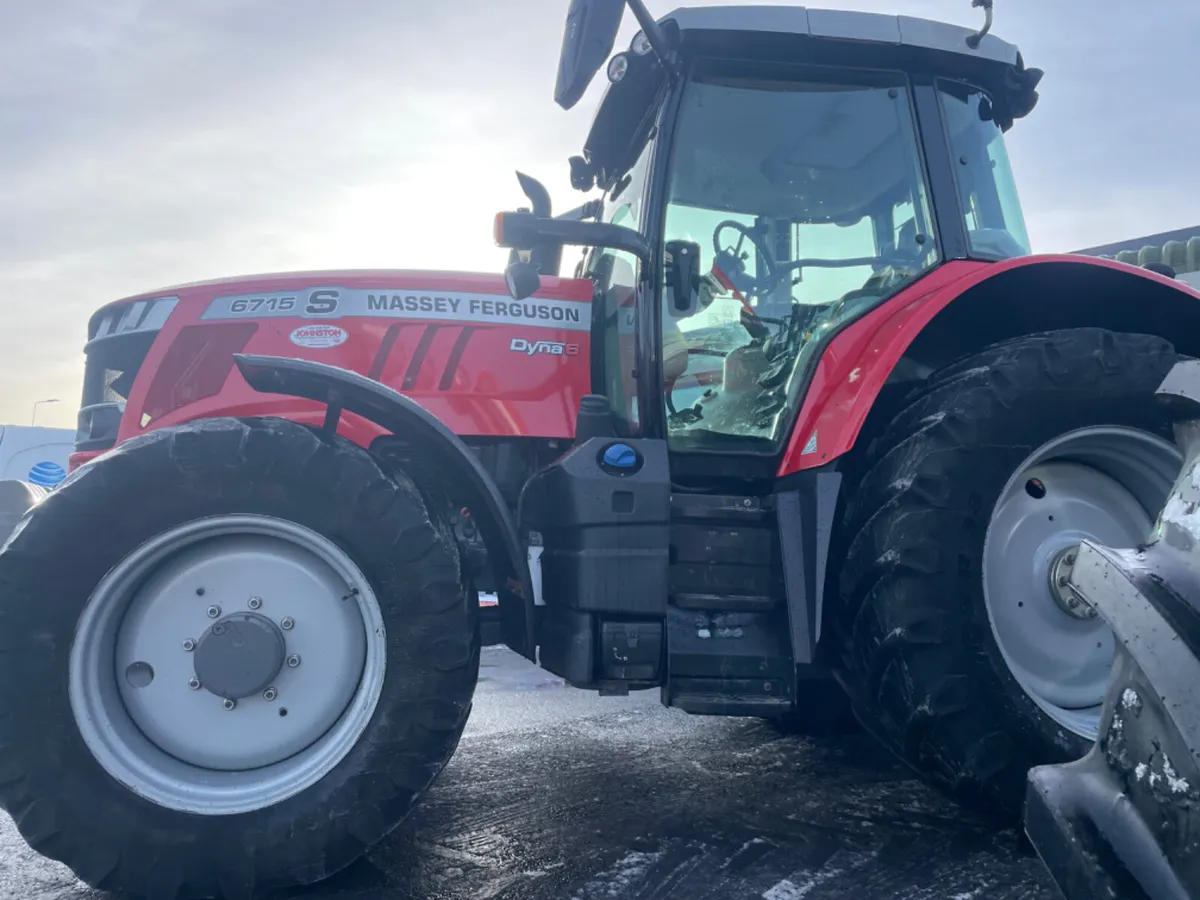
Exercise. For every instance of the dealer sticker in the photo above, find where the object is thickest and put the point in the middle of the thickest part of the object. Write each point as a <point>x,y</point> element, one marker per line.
<point>318,336</point>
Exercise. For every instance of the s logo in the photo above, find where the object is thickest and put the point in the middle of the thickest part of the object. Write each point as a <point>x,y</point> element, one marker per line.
<point>322,303</point>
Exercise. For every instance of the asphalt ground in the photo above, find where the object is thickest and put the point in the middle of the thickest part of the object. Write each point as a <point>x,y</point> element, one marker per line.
<point>556,794</point>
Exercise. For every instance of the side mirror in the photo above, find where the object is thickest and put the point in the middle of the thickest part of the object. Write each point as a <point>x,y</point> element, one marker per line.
<point>588,38</point>
<point>682,259</point>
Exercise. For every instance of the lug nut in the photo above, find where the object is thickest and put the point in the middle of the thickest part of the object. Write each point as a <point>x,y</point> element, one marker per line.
<point>293,660</point>
<point>255,602</point>
<point>194,683</point>
<point>214,611</point>
<point>286,623</point>
<point>189,645</point>
<point>229,704</point>
<point>270,694</point>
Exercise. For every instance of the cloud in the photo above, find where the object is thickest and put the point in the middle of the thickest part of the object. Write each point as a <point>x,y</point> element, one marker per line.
<point>146,144</point>
<point>152,144</point>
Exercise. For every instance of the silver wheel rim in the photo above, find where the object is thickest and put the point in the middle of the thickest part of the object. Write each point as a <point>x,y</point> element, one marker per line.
<point>1106,484</point>
<point>141,641</point>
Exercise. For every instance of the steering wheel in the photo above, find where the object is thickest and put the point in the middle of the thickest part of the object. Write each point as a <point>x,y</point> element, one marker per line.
<point>732,261</point>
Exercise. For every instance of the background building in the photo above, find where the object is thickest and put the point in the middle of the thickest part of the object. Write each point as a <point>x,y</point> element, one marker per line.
<point>34,454</point>
<point>1179,249</point>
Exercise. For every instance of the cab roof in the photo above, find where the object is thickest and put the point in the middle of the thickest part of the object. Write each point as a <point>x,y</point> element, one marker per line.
<point>833,24</point>
<point>830,39</point>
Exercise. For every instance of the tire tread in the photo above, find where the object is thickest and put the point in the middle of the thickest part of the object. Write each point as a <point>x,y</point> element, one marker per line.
<point>913,638</point>
<point>67,808</point>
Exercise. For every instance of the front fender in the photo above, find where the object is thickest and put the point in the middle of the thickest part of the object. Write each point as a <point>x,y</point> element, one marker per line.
<point>342,390</point>
<point>962,307</point>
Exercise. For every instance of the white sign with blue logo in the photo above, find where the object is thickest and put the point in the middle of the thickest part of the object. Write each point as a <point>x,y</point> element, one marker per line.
<point>47,474</point>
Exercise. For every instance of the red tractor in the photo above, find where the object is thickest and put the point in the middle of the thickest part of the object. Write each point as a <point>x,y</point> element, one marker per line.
<point>810,430</point>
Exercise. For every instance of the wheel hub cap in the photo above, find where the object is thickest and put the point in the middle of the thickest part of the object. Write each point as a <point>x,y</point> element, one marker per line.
<point>1102,484</point>
<point>227,663</point>
<point>239,656</point>
<point>1060,580</point>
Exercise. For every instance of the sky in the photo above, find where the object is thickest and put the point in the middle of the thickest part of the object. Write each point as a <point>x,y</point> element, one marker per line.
<point>147,144</point>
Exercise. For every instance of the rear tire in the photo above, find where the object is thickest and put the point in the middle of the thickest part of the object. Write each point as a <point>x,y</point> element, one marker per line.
<point>152,838</point>
<point>822,710</point>
<point>932,660</point>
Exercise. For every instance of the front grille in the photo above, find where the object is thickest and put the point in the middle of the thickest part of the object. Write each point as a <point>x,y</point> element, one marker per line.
<point>119,337</point>
<point>105,385</point>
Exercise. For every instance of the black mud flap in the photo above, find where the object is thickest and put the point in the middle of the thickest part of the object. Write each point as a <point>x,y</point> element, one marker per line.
<point>1124,821</point>
<point>344,391</point>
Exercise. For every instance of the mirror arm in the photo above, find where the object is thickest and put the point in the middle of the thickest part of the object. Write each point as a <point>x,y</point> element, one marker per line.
<point>524,231</point>
<point>976,39</point>
<point>597,234</point>
<point>654,34</point>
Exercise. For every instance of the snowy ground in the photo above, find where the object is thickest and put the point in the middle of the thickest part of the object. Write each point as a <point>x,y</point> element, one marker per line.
<point>560,794</point>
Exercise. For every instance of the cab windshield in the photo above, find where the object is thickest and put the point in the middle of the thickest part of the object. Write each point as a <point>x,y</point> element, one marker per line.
<point>808,202</point>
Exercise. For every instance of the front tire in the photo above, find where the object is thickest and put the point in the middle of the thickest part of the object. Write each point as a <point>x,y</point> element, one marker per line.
<point>153,569</point>
<point>957,650</point>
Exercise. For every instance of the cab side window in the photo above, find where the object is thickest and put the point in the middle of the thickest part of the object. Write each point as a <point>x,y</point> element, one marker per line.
<point>617,276</point>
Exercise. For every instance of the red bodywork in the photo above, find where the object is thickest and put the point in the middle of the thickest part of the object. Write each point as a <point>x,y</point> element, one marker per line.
<point>857,363</point>
<point>456,343</point>
<point>485,365</point>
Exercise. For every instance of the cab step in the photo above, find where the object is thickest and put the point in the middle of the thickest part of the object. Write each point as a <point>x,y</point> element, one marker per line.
<point>725,554</point>
<point>724,602</point>
<point>761,697</point>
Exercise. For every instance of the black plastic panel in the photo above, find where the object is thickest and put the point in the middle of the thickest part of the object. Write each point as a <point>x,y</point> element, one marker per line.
<point>806,518</point>
<point>567,640</point>
<point>631,651</point>
<point>97,426</point>
<point>604,531</point>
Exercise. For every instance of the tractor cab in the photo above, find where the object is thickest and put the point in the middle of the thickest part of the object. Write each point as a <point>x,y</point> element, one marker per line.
<point>770,175</point>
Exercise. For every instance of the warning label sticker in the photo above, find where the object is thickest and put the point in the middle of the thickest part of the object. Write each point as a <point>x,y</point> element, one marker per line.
<point>337,303</point>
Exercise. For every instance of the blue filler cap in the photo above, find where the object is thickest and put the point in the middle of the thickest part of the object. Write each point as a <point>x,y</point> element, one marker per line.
<point>620,456</point>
